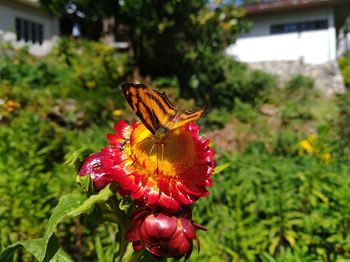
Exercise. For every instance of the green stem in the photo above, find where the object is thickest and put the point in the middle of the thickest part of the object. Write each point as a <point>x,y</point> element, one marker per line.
<point>135,256</point>
<point>131,255</point>
<point>123,223</point>
<point>123,242</point>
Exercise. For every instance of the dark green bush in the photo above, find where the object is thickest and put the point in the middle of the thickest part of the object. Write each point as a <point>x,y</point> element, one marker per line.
<point>343,125</point>
<point>344,64</point>
<point>236,80</point>
<point>300,82</point>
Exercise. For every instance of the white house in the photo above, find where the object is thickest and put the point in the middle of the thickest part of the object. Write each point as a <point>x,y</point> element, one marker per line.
<point>304,30</point>
<point>24,22</point>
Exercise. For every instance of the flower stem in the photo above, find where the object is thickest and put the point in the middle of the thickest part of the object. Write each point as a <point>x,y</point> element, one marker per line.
<point>123,243</point>
<point>123,223</point>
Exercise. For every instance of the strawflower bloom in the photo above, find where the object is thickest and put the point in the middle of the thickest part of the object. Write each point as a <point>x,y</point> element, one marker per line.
<point>164,234</point>
<point>168,171</point>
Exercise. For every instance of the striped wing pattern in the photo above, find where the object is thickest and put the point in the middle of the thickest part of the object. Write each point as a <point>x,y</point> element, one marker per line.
<point>154,108</point>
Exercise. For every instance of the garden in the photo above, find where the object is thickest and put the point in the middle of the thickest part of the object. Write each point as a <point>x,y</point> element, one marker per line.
<point>281,184</point>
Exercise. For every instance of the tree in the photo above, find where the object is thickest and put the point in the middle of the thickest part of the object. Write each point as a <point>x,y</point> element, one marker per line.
<point>183,38</point>
<point>180,38</point>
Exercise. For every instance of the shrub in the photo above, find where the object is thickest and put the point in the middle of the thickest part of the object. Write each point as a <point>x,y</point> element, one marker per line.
<point>300,82</point>
<point>268,206</point>
<point>344,64</point>
<point>343,125</point>
<point>236,80</point>
<point>244,111</point>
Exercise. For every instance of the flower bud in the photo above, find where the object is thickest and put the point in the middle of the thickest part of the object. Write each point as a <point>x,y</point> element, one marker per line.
<point>164,234</point>
<point>93,167</point>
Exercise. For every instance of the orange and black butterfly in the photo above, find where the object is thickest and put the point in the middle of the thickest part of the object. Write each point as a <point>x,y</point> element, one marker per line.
<point>155,110</point>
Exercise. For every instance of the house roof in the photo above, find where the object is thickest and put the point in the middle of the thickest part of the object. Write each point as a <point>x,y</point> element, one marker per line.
<point>282,5</point>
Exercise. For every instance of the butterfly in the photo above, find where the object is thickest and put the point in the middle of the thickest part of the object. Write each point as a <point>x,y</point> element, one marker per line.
<point>155,110</point>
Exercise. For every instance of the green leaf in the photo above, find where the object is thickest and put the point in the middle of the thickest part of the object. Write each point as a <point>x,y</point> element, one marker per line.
<point>221,167</point>
<point>102,196</point>
<point>86,183</point>
<point>99,249</point>
<point>69,206</point>
<point>65,205</point>
<point>35,247</point>
<point>32,246</point>
<point>274,244</point>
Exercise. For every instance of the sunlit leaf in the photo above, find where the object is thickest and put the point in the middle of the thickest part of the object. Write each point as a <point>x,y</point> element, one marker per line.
<point>221,168</point>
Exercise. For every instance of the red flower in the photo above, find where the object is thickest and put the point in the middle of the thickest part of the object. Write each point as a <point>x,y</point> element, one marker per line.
<point>93,167</point>
<point>164,234</point>
<point>169,171</point>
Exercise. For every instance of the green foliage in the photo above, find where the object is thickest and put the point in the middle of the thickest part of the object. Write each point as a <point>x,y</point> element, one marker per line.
<point>69,206</point>
<point>196,32</point>
<point>217,118</point>
<point>274,202</point>
<point>180,40</point>
<point>300,82</point>
<point>344,64</point>
<point>235,80</point>
<point>268,207</point>
<point>245,112</point>
<point>47,113</point>
<point>343,126</point>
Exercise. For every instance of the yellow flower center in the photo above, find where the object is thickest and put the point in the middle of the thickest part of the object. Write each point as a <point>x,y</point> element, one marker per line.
<point>160,155</point>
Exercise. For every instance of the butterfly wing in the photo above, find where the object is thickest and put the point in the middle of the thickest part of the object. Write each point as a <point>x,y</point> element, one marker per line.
<point>184,118</point>
<point>152,107</point>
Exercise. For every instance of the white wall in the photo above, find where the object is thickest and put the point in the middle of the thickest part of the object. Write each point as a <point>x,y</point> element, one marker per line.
<point>313,47</point>
<point>9,10</point>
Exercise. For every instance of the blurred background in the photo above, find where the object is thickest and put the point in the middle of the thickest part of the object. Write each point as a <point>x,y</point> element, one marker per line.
<point>273,76</point>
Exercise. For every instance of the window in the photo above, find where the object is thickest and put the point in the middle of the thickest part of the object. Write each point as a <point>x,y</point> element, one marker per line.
<point>299,26</point>
<point>29,31</point>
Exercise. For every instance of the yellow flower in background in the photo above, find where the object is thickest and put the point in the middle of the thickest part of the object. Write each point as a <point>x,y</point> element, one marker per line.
<point>10,105</point>
<point>311,147</point>
<point>326,157</point>
<point>305,145</point>
<point>308,145</point>
<point>118,112</point>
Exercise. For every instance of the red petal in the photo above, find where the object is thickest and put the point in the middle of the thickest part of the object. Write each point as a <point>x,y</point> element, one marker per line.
<point>188,229</point>
<point>119,128</point>
<point>166,226</point>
